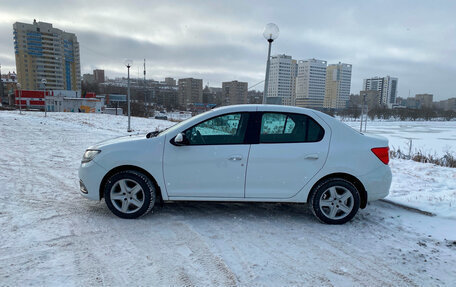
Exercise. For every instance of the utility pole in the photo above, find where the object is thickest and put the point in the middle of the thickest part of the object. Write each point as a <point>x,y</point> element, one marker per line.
<point>145,90</point>
<point>43,81</point>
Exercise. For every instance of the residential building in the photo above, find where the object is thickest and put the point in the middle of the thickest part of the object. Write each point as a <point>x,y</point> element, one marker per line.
<point>311,83</point>
<point>281,83</point>
<point>46,53</point>
<point>234,93</point>
<point>338,82</point>
<point>425,100</point>
<point>447,105</point>
<point>88,78</point>
<point>8,86</point>
<point>387,87</point>
<point>170,81</point>
<point>99,76</point>
<point>412,103</point>
<point>190,91</point>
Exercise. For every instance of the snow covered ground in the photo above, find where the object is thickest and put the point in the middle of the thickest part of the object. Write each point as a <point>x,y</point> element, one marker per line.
<point>50,235</point>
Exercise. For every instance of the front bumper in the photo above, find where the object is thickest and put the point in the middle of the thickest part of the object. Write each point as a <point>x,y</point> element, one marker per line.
<point>90,175</point>
<point>377,183</point>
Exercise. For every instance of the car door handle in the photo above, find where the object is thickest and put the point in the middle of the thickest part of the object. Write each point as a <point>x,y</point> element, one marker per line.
<point>235,158</point>
<point>311,156</point>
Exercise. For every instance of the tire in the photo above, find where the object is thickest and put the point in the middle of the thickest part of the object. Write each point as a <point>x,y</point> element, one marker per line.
<point>335,201</point>
<point>129,194</point>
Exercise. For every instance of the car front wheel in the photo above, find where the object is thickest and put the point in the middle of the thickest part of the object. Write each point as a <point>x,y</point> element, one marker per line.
<point>129,194</point>
<point>335,201</point>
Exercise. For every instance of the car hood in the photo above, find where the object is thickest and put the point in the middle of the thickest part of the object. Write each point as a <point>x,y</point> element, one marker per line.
<point>119,140</point>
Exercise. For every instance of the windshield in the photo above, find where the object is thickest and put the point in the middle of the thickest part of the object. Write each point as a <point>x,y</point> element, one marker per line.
<point>179,125</point>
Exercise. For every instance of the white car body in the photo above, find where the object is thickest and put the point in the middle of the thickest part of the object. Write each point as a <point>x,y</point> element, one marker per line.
<point>279,172</point>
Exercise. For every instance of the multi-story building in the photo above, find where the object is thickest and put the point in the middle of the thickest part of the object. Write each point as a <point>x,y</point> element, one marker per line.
<point>310,83</point>
<point>447,105</point>
<point>281,83</point>
<point>425,100</point>
<point>46,53</point>
<point>190,91</point>
<point>88,78</point>
<point>387,87</point>
<point>99,76</point>
<point>170,81</point>
<point>234,93</point>
<point>338,82</point>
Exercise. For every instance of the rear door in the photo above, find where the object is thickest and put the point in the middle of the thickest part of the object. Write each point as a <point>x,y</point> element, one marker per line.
<point>292,148</point>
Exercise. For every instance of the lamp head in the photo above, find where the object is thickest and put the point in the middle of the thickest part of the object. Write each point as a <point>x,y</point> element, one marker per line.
<point>271,32</point>
<point>128,63</point>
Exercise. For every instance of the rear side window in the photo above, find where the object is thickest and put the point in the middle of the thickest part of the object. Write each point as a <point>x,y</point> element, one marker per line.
<point>289,128</point>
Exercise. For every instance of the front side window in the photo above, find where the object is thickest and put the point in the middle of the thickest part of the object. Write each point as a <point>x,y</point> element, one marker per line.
<point>289,128</point>
<point>225,129</point>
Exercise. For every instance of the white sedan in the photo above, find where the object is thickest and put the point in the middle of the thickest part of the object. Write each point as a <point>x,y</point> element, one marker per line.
<point>257,153</point>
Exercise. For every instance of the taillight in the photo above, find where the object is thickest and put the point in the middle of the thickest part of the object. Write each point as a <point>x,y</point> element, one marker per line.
<point>382,153</point>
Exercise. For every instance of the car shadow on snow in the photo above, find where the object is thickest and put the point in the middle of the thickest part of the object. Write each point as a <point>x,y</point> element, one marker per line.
<point>260,211</point>
<point>229,211</point>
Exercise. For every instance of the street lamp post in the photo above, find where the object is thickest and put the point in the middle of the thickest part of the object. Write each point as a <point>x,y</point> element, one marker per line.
<point>18,86</point>
<point>270,33</point>
<point>43,81</point>
<point>128,63</point>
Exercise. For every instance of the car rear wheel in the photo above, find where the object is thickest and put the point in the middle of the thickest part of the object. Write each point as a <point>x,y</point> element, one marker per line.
<point>129,194</point>
<point>335,201</point>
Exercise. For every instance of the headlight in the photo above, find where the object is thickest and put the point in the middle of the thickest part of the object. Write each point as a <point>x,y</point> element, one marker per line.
<point>89,155</point>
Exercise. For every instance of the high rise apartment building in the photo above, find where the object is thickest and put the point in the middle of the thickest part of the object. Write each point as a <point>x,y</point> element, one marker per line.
<point>281,83</point>
<point>235,93</point>
<point>387,87</point>
<point>190,91</point>
<point>338,82</point>
<point>310,83</point>
<point>46,53</point>
<point>99,76</point>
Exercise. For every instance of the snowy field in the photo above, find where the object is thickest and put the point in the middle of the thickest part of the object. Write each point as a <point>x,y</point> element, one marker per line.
<point>428,137</point>
<point>50,235</point>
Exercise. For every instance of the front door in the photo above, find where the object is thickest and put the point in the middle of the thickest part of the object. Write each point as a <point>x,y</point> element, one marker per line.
<point>212,163</point>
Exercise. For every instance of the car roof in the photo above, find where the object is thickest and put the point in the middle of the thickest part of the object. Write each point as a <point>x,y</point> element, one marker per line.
<point>263,108</point>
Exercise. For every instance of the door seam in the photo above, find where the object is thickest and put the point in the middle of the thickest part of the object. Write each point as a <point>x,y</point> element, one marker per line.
<point>246,168</point>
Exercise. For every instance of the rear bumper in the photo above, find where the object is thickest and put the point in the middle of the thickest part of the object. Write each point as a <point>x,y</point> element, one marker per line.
<point>377,183</point>
<point>91,175</point>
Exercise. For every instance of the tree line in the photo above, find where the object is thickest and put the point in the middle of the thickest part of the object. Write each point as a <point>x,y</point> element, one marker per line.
<point>402,114</point>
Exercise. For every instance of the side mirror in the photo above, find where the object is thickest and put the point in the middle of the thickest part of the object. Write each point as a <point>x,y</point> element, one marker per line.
<point>179,139</point>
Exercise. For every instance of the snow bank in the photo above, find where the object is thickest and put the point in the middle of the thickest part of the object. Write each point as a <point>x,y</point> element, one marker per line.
<point>424,186</point>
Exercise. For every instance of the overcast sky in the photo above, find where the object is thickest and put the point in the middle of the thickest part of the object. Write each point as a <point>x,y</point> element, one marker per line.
<point>222,40</point>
